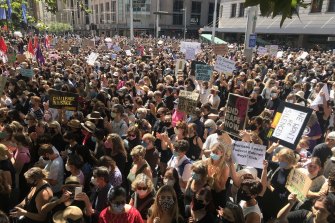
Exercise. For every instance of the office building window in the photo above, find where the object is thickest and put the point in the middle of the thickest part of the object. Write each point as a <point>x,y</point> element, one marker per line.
<point>102,20</point>
<point>241,10</point>
<point>233,10</point>
<point>96,11</point>
<point>107,6</point>
<point>331,6</point>
<point>113,8</point>
<point>221,11</point>
<point>195,20</point>
<point>196,7</point>
<point>316,6</point>
<point>178,5</point>
<point>211,12</point>
<point>196,13</point>
<point>178,19</point>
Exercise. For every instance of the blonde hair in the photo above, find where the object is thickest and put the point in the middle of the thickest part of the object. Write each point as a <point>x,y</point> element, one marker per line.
<point>149,136</point>
<point>225,149</point>
<point>142,178</point>
<point>36,173</point>
<point>138,151</point>
<point>200,167</point>
<point>288,155</point>
<point>156,211</point>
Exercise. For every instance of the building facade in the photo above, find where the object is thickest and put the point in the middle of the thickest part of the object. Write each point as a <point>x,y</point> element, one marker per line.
<point>315,25</point>
<point>113,16</point>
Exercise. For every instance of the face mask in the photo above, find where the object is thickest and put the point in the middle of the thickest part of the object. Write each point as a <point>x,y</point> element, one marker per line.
<point>198,205</point>
<point>113,114</point>
<point>215,157</point>
<point>141,193</point>
<point>166,204</point>
<point>93,139</point>
<point>169,182</point>
<point>273,95</point>
<point>175,153</point>
<point>94,181</point>
<point>118,208</point>
<point>144,144</point>
<point>283,165</point>
<point>107,144</point>
<point>195,176</point>
<point>67,167</point>
<point>290,101</point>
<point>241,194</point>
<point>253,127</point>
<point>26,122</point>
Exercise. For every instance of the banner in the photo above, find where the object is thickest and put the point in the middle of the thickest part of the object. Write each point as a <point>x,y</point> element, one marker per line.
<point>63,99</point>
<point>185,45</point>
<point>288,124</point>
<point>180,65</point>
<point>27,72</point>
<point>3,81</point>
<point>74,50</point>
<point>220,49</point>
<point>272,49</point>
<point>249,154</point>
<point>190,54</point>
<point>236,114</point>
<point>298,183</point>
<point>188,101</point>
<point>261,51</point>
<point>92,58</point>
<point>224,65</point>
<point>203,72</point>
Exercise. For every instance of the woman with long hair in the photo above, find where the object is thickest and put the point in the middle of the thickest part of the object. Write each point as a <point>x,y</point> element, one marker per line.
<point>165,207</point>
<point>5,190</point>
<point>114,172</point>
<point>195,142</point>
<point>115,148</point>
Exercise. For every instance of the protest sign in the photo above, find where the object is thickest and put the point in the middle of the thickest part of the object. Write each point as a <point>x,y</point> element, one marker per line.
<point>21,58</point>
<point>26,72</point>
<point>272,50</point>
<point>224,65</point>
<point>74,50</point>
<point>203,72</point>
<point>249,154</point>
<point>185,45</point>
<point>92,58</point>
<point>190,54</point>
<point>87,43</point>
<point>252,40</point>
<point>319,99</point>
<point>298,183</point>
<point>179,66</point>
<point>113,56</point>
<point>11,57</point>
<point>116,48</point>
<point>188,101</point>
<point>63,99</point>
<point>288,124</point>
<point>128,52</point>
<point>220,49</point>
<point>280,54</point>
<point>3,81</point>
<point>303,56</point>
<point>236,114</point>
<point>194,64</point>
<point>262,51</point>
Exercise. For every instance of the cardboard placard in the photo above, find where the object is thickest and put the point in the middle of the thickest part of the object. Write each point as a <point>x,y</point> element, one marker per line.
<point>87,43</point>
<point>203,72</point>
<point>74,50</point>
<point>27,72</point>
<point>92,58</point>
<point>249,154</point>
<point>224,65</point>
<point>262,51</point>
<point>179,66</point>
<point>3,81</point>
<point>21,58</point>
<point>220,49</point>
<point>188,101</point>
<point>272,49</point>
<point>62,99</point>
<point>236,114</point>
<point>289,124</point>
<point>298,183</point>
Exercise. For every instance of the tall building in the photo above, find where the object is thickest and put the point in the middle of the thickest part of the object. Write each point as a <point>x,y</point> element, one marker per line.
<point>316,24</point>
<point>113,16</point>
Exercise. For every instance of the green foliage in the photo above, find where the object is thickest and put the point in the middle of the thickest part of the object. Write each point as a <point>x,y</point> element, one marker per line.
<point>285,8</point>
<point>57,27</point>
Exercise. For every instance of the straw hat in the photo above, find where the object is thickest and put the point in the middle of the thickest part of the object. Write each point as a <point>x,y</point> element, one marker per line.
<point>215,88</point>
<point>89,126</point>
<point>72,213</point>
<point>94,115</point>
<point>74,123</point>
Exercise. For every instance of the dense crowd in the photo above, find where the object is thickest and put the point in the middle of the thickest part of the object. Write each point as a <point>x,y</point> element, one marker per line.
<point>129,154</point>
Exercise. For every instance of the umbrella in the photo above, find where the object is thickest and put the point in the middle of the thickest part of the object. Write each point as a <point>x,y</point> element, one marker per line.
<point>108,40</point>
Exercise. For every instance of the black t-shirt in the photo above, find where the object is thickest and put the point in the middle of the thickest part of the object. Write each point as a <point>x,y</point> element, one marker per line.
<point>144,204</point>
<point>323,152</point>
<point>300,216</point>
<point>6,165</point>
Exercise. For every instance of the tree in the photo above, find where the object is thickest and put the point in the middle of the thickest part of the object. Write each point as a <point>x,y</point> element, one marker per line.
<point>58,27</point>
<point>285,8</point>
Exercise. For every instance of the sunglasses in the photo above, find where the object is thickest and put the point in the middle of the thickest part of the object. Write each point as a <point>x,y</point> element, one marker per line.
<point>132,135</point>
<point>142,188</point>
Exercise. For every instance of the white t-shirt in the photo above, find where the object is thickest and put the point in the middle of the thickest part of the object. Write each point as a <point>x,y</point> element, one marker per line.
<point>174,163</point>
<point>55,170</point>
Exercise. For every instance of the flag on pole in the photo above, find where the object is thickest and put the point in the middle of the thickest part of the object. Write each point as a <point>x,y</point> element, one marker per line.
<point>47,42</point>
<point>3,46</point>
<point>30,47</point>
<point>3,14</point>
<point>39,55</point>
<point>9,10</point>
<point>24,13</point>
<point>35,42</point>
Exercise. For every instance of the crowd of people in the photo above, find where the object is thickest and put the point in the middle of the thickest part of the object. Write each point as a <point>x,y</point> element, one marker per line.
<point>128,153</point>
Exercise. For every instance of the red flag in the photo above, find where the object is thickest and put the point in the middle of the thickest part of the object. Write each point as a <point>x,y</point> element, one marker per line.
<point>35,42</point>
<point>47,42</point>
<point>30,47</point>
<point>3,46</point>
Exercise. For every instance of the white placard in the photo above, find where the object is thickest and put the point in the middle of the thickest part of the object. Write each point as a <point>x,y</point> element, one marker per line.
<point>289,125</point>
<point>318,99</point>
<point>185,45</point>
<point>262,51</point>
<point>92,58</point>
<point>224,65</point>
<point>249,154</point>
<point>272,49</point>
<point>303,56</point>
<point>128,52</point>
<point>190,54</point>
<point>280,54</point>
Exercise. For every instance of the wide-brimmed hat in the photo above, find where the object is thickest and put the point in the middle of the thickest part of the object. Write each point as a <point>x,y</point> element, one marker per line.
<point>300,94</point>
<point>215,88</point>
<point>72,181</point>
<point>89,126</point>
<point>72,213</point>
<point>74,123</point>
<point>94,115</point>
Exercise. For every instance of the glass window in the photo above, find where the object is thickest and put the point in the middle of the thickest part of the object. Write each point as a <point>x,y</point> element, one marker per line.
<point>331,6</point>
<point>241,11</point>
<point>316,6</point>
<point>196,7</point>
<point>107,6</point>
<point>195,20</point>
<point>233,10</point>
<point>178,5</point>
<point>221,11</point>
<point>178,19</point>
<point>113,8</point>
<point>101,7</point>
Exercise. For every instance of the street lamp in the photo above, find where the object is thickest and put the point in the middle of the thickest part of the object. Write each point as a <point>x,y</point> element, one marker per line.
<point>131,20</point>
<point>184,10</point>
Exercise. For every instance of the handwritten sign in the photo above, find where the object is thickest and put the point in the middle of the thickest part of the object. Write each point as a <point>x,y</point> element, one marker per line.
<point>11,57</point>
<point>62,99</point>
<point>289,123</point>
<point>298,183</point>
<point>92,58</point>
<point>74,50</point>
<point>220,49</point>
<point>261,51</point>
<point>224,65</point>
<point>180,65</point>
<point>236,114</point>
<point>249,154</point>
<point>3,81</point>
<point>27,72</point>
<point>203,72</point>
<point>190,54</point>
<point>272,50</point>
<point>128,52</point>
<point>194,45</point>
<point>188,101</point>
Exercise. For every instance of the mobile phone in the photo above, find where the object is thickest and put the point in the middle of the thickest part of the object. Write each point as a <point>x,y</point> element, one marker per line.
<point>78,190</point>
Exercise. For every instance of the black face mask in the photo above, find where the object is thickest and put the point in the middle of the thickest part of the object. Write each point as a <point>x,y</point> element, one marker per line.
<point>253,127</point>
<point>198,205</point>
<point>252,100</point>
<point>242,195</point>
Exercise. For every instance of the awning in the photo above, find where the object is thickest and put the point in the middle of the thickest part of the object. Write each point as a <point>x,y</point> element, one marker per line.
<point>216,39</point>
<point>262,41</point>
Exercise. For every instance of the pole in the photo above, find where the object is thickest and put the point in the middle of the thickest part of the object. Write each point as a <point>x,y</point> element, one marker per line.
<point>157,20</point>
<point>251,24</point>
<point>214,22</point>
<point>185,23</point>
<point>131,20</point>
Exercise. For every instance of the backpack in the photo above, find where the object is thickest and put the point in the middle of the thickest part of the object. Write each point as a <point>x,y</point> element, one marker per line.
<point>182,166</point>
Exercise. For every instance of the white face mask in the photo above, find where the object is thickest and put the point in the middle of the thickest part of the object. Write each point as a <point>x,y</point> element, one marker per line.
<point>94,181</point>
<point>67,167</point>
<point>168,182</point>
